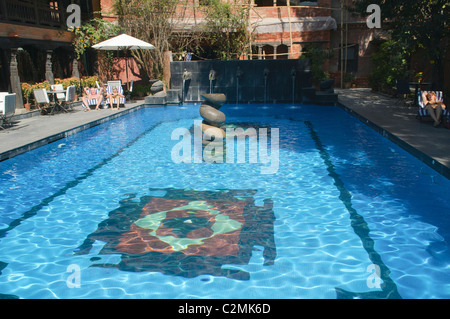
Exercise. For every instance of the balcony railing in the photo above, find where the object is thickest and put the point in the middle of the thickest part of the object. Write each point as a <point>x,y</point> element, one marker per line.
<point>44,13</point>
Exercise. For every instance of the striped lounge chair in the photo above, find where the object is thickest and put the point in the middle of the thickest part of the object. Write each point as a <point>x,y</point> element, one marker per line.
<point>93,102</point>
<point>422,112</point>
<point>109,90</point>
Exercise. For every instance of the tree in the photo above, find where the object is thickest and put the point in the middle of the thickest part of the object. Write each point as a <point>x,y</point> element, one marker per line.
<point>390,64</point>
<point>91,33</point>
<point>156,22</point>
<point>418,24</point>
<point>318,56</point>
<point>226,28</point>
<point>167,24</point>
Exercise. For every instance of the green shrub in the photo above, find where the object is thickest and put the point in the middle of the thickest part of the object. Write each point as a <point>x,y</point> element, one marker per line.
<point>317,55</point>
<point>389,64</point>
<point>141,90</point>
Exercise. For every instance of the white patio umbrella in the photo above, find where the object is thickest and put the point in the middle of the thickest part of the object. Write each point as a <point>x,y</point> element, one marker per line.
<point>124,42</point>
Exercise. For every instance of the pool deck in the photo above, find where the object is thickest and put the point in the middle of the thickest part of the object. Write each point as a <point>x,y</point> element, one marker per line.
<point>383,113</point>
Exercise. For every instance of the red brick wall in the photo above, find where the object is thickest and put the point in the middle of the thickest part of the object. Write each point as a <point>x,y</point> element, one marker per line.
<point>322,10</point>
<point>106,6</point>
<point>306,36</point>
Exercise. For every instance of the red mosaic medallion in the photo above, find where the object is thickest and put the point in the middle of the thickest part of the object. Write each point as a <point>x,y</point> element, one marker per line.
<point>186,232</point>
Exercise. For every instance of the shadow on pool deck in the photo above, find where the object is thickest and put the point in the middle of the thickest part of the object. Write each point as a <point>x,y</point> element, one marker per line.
<point>383,113</point>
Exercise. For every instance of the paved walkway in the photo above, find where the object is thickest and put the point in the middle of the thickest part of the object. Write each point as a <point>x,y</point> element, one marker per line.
<point>383,113</point>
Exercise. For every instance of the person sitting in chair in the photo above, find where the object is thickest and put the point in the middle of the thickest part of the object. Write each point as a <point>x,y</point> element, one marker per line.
<point>433,106</point>
<point>92,93</point>
<point>114,95</point>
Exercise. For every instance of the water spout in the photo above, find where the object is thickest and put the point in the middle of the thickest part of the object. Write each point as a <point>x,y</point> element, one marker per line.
<point>212,77</point>
<point>238,76</point>
<point>293,74</point>
<point>266,74</point>
<point>186,77</point>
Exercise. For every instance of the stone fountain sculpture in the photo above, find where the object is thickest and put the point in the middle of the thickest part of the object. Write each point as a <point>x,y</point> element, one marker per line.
<point>213,120</point>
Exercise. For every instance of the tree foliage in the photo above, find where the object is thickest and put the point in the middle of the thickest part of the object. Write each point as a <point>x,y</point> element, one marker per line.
<point>318,56</point>
<point>390,64</point>
<point>417,24</point>
<point>226,28</point>
<point>167,25</point>
<point>150,21</point>
<point>91,33</point>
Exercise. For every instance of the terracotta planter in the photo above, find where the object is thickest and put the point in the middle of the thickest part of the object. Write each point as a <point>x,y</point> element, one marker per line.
<point>27,106</point>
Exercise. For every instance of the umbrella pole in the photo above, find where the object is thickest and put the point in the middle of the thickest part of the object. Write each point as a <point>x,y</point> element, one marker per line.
<point>126,70</point>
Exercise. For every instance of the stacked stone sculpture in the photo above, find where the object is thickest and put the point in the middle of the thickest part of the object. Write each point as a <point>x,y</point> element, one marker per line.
<point>213,119</point>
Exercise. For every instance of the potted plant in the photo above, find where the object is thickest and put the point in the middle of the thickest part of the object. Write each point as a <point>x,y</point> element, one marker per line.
<point>27,90</point>
<point>139,90</point>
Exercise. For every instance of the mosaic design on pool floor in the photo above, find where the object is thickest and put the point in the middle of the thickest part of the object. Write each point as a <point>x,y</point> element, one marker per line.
<point>186,232</point>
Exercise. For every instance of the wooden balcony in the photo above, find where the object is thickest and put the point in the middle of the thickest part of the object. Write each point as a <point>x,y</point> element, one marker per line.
<point>40,13</point>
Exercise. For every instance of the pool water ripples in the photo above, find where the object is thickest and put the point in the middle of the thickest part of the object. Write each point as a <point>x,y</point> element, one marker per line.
<point>343,198</point>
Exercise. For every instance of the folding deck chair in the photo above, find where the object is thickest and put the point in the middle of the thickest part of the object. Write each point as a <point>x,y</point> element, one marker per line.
<point>70,97</point>
<point>402,91</point>
<point>41,97</point>
<point>7,108</point>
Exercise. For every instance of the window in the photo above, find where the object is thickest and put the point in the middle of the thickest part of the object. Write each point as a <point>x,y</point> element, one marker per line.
<point>264,3</point>
<point>267,52</point>
<point>282,52</point>
<point>352,58</point>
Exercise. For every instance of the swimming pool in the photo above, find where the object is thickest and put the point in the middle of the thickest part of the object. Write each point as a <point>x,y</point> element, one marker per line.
<point>107,213</point>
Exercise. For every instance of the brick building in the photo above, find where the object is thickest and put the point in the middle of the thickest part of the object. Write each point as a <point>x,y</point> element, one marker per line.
<point>33,40</point>
<point>283,29</point>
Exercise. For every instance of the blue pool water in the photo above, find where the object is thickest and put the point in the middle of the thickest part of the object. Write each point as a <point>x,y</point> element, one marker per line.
<point>106,213</point>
